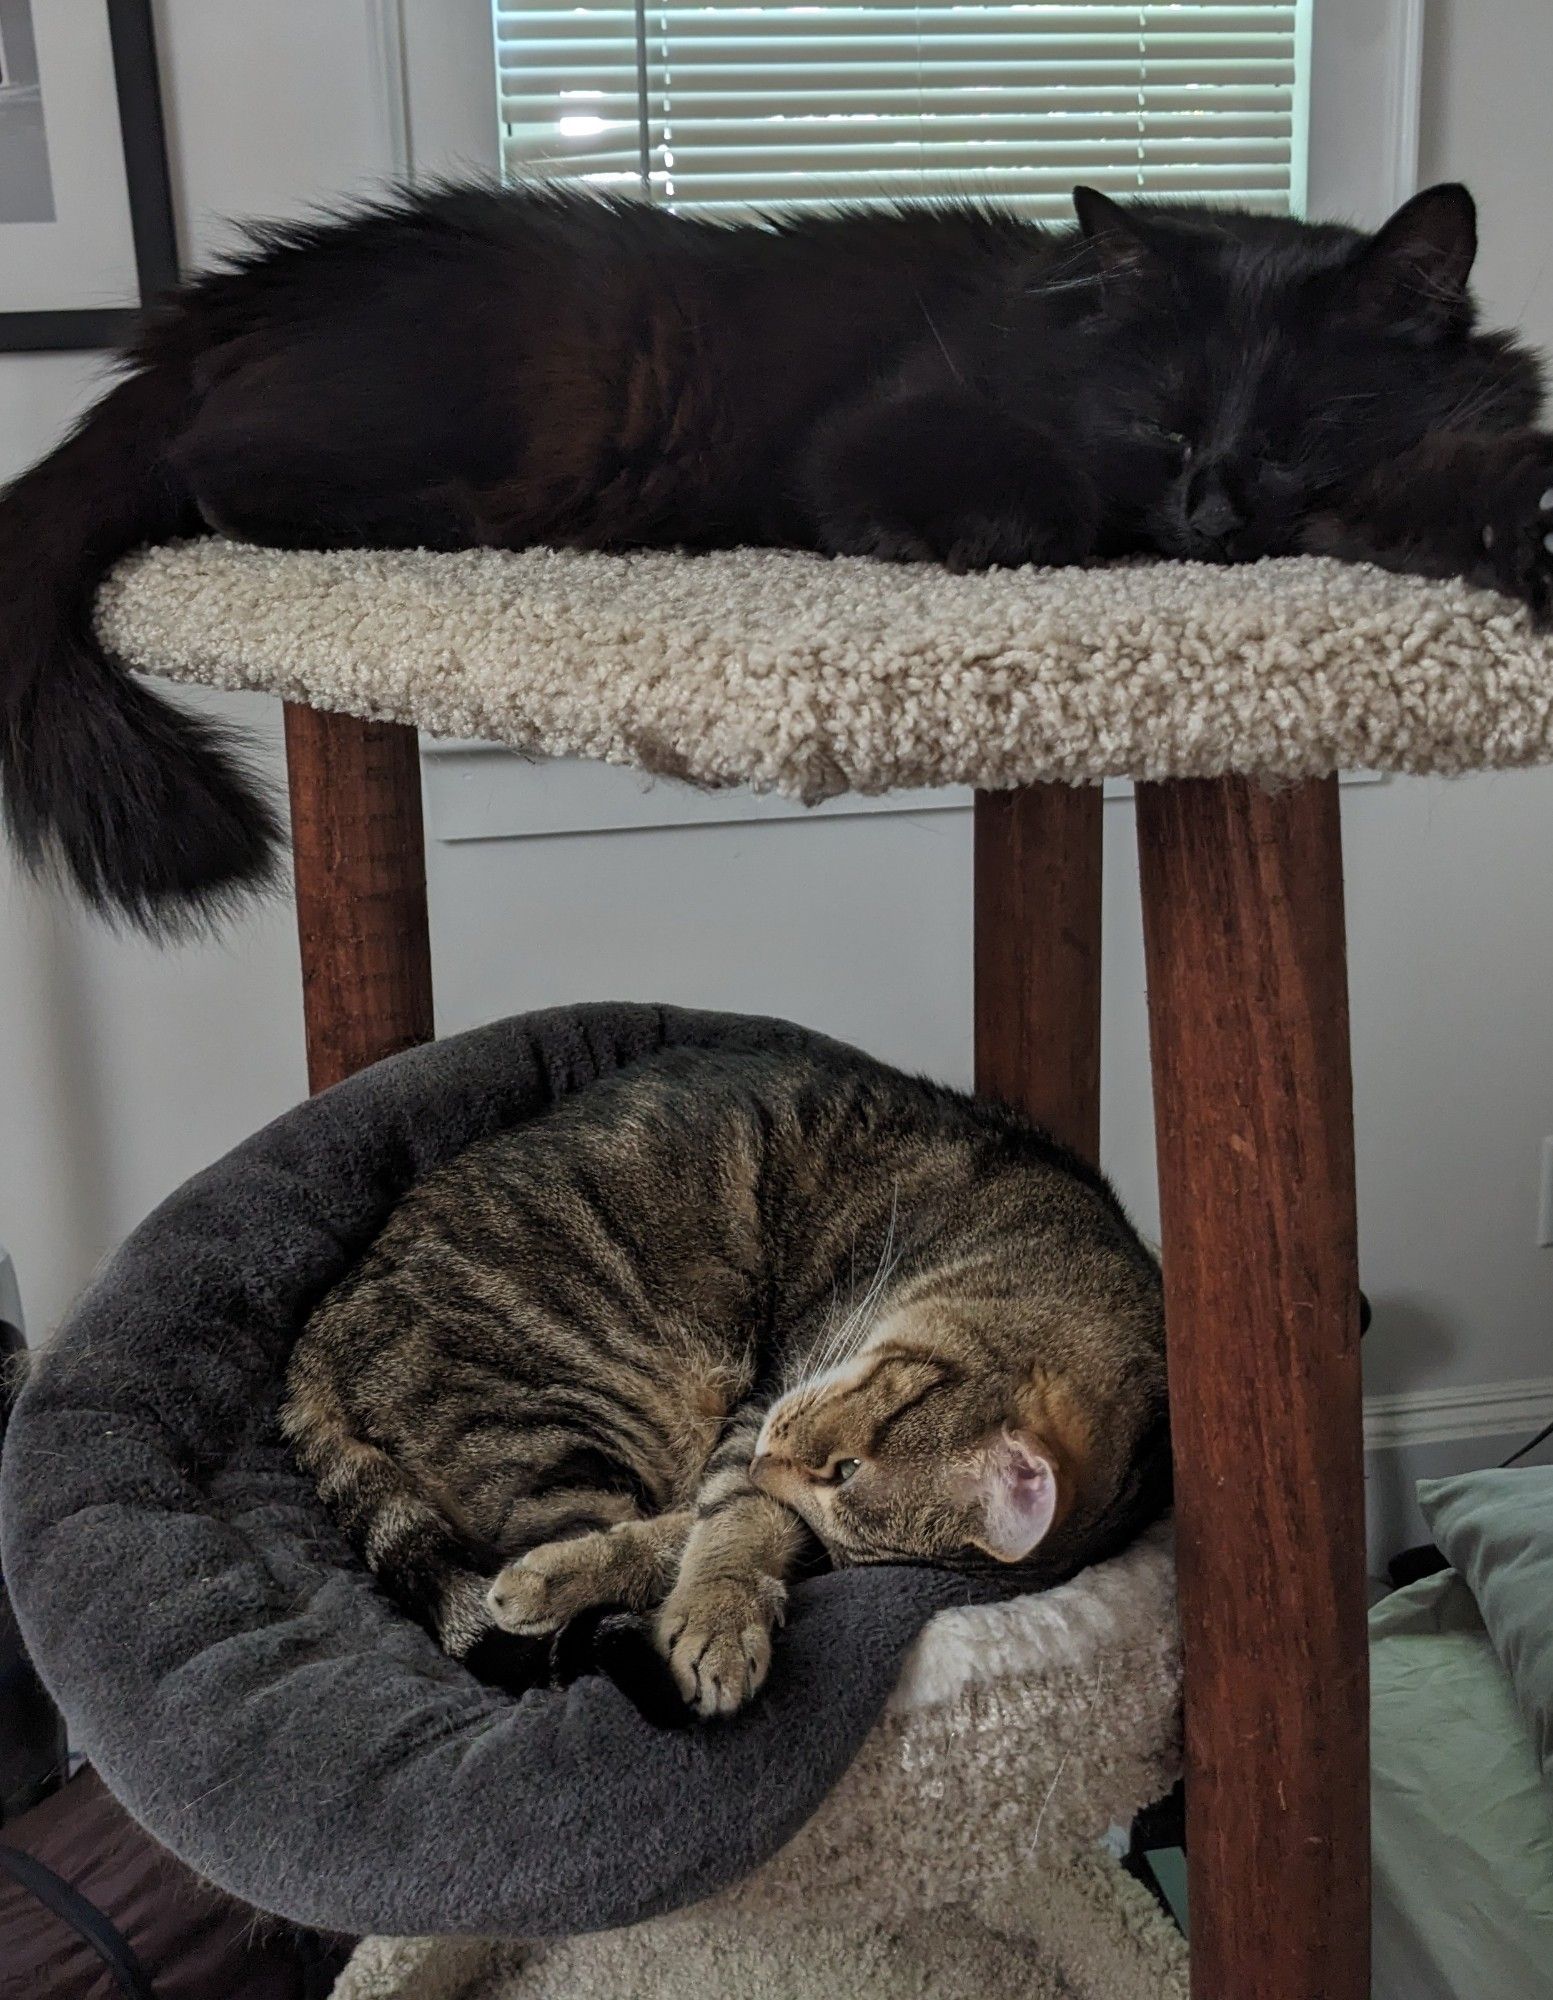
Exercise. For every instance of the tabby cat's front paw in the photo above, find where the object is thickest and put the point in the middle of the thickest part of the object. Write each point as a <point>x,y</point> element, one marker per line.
<point>1517,534</point>
<point>716,1637</point>
<point>552,1585</point>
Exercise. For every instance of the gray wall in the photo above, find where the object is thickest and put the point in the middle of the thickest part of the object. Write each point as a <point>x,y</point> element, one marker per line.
<point>126,1069</point>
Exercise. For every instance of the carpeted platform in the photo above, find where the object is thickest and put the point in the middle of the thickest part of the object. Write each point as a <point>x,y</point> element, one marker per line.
<point>811,677</point>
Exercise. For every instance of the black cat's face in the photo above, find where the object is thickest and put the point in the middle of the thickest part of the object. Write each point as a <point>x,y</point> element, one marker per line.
<point>1253,436</point>
<point>1255,366</point>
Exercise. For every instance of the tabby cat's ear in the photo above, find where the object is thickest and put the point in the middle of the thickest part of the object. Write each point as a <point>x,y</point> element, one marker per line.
<point>1413,272</point>
<point>1120,238</point>
<point>1017,1486</point>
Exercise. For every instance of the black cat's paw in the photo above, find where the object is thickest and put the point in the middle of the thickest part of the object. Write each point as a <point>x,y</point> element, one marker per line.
<point>882,541</point>
<point>963,543</point>
<point>1517,534</point>
<point>1004,541</point>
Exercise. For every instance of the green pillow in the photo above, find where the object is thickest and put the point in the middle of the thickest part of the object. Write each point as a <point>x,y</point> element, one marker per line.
<point>1497,1529</point>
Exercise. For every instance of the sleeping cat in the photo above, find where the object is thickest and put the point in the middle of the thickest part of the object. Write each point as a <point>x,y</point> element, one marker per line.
<point>475,366</point>
<point>639,1351</point>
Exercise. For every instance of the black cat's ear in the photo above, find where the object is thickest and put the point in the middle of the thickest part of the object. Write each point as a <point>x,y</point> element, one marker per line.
<point>1120,238</point>
<point>1413,272</point>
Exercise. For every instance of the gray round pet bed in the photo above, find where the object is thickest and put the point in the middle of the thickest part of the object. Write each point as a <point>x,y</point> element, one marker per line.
<point>251,1697</point>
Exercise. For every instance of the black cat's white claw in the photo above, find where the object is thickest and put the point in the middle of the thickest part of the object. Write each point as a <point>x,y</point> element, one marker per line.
<point>1517,542</point>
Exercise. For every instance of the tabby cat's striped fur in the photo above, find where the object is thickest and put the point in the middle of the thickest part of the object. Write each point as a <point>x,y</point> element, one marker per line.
<point>640,1349</point>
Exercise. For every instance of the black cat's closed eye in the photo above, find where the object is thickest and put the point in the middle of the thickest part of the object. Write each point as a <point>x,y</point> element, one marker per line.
<point>1162,434</point>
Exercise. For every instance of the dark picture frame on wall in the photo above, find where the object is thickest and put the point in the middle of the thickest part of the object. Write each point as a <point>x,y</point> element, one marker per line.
<point>86,213</point>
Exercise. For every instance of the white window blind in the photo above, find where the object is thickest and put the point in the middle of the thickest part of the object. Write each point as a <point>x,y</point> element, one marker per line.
<point>716,109</point>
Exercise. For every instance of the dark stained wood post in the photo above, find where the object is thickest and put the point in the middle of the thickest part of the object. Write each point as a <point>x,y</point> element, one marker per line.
<point>1248,1005</point>
<point>1037,956</point>
<point>359,854</point>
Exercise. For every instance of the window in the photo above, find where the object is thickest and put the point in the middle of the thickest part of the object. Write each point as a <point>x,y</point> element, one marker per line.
<point>716,109</point>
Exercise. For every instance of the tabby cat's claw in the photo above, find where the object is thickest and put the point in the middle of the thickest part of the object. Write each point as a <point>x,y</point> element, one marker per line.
<point>717,1641</point>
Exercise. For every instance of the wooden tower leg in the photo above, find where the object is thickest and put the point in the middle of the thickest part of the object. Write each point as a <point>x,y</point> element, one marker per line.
<point>1243,928</point>
<point>1037,955</point>
<point>359,854</point>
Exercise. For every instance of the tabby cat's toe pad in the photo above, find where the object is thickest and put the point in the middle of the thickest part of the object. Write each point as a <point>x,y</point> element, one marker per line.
<point>717,1641</point>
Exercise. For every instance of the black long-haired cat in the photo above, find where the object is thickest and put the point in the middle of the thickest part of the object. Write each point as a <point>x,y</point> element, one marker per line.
<point>475,366</point>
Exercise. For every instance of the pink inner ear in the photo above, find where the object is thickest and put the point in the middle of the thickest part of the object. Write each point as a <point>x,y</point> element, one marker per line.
<point>1019,1488</point>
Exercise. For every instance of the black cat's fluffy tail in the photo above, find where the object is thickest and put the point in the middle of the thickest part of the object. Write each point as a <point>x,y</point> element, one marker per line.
<point>143,807</point>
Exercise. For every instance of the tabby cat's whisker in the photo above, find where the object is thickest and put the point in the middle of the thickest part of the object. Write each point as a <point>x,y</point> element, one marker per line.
<point>844,1342</point>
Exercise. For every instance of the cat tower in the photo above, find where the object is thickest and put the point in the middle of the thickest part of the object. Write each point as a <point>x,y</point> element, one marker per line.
<point>1232,697</point>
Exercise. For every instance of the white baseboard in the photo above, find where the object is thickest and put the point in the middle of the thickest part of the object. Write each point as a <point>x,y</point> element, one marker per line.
<point>1438,1416</point>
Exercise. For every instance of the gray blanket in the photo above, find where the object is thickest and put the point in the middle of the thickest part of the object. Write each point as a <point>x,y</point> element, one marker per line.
<point>229,1666</point>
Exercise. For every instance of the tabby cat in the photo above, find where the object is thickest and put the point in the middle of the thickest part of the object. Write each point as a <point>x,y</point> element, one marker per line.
<point>478,366</point>
<point>645,1349</point>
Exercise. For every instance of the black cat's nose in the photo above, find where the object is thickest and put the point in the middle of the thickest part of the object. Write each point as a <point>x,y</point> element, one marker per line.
<point>1213,513</point>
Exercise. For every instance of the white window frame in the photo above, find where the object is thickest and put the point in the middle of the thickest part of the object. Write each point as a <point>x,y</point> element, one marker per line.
<point>434,86</point>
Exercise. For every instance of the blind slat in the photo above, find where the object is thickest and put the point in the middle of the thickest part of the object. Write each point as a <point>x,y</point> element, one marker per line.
<point>701,143</point>
<point>845,184</point>
<point>986,52</point>
<point>1159,17</point>
<point>886,91</point>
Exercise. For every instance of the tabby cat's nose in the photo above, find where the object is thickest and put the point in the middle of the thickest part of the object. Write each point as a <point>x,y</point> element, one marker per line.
<point>760,1467</point>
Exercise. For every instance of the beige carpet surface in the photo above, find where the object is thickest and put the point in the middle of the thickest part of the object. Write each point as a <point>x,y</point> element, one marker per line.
<point>811,677</point>
<point>1076,1929</point>
<point>1017,1730</point>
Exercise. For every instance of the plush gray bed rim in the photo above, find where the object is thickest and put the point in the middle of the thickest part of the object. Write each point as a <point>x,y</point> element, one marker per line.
<point>231,1669</point>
